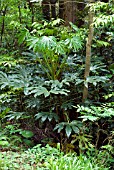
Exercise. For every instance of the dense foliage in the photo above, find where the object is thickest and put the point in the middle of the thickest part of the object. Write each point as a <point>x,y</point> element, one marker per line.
<point>42,65</point>
<point>45,158</point>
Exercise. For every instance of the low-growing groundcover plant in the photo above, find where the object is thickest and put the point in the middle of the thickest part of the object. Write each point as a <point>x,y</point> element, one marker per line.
<point>49,158</point>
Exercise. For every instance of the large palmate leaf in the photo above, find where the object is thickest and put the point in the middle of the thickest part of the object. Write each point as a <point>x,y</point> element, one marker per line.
<point>41,43</point>
<point>47,115</point>
<point>47,42</point>
<point>74,43</point>
<point>96,79</point>
<point>4,80</point>
<point>19,77</point>
<point>60,48</point>
<point>69,127</point>
<point>37,91</point>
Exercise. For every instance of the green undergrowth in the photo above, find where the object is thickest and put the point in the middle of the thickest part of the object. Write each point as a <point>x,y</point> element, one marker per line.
<point>49,158</point>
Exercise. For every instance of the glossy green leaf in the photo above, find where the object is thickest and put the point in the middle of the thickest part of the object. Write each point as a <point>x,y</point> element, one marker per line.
<point>27,133</point>
<point>68,130</point>
<point>76,129</point>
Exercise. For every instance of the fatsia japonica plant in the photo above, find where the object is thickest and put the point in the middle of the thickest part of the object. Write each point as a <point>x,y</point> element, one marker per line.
<point>42,88</point>
<point>52,46</point>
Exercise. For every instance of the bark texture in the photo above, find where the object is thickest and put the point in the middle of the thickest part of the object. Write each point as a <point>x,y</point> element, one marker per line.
<point>70,11</point>
<point>88,53</point>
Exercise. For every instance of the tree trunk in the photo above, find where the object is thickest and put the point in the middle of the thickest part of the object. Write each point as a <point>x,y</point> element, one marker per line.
<point>31,7</point>
<point>61,9</point>
<point>46,9</point>
<point>70,11</point>
<point>88,53</point>
<point>3,23</point>
<point>53,8</point>
<point>20,16</point>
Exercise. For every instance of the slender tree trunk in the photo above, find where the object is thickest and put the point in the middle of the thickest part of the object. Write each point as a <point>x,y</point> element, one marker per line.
<point>3,23</point>
<point>46,9</point>
<point>53,11</point>
<point>68,12</point>
<point>31,7</point>
<point>88,53</point>
<point>53,8</point>
<point>61,9</point>
<point>20,16</point>
<point>32,11</point>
